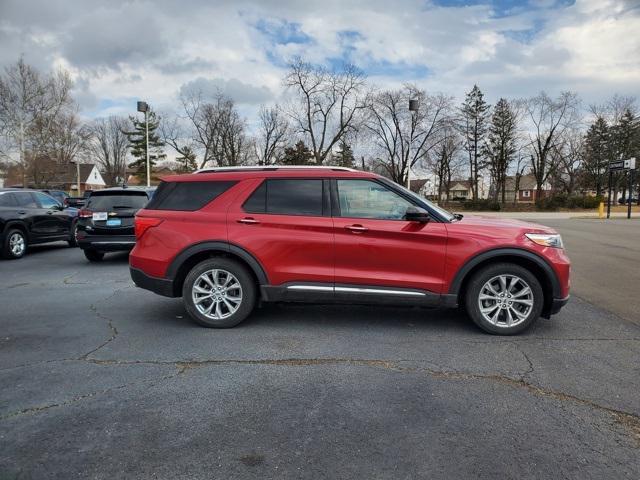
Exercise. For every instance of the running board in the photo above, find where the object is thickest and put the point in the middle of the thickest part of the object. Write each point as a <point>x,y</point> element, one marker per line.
<point>341,293</point>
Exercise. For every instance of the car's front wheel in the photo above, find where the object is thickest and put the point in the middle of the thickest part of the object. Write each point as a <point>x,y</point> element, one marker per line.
<point>504,298</point>
<point>219,293</point>
<point>73,234</point>
<point>15,244</point>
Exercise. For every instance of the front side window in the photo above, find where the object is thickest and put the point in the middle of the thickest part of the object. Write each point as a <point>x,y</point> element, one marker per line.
<point>287,197</point>
<point>367,199</point>
<point>46,201</point>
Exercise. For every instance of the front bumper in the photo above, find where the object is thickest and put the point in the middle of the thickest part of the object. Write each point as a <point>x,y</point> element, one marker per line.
<point>107,243</point>
<point>557,304</point>
<point>161,286</point>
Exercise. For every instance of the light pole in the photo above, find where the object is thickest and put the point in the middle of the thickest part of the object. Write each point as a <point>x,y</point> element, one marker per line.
<point>144,107</point>
<point>77,162</point>
<point>413,108</point>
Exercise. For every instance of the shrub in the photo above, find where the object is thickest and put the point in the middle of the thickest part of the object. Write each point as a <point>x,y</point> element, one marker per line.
<point>482,204</point>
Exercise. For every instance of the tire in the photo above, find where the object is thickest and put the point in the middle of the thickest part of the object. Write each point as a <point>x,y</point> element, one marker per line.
<point>503,314</point>
<point>73,242</point>
<point>15,244</point>
<point>229,312</point>
<point>94,255</point>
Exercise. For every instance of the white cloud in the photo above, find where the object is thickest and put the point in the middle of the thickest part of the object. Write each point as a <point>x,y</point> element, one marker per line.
<point>121,50</point>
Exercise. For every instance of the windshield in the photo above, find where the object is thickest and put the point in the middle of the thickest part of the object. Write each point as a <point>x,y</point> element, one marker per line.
<point>441,211</point>
<point>133,200</point>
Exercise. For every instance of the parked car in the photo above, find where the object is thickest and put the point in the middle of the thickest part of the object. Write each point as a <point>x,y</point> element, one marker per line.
<point>623,201</point>
<point>28,217</point>
<point>223,240</point>
<point>79,202</point>
<point>105,223</point>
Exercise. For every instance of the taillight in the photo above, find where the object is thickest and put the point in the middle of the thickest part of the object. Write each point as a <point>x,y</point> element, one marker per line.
<point>85,213</point>
<point>142,224</point>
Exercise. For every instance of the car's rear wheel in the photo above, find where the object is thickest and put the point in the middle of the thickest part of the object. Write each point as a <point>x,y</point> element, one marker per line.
<point>15,244</point>
<point>219,293</point>
<point>504,299</point>
<point>73,236</point>
<point>93,255</point>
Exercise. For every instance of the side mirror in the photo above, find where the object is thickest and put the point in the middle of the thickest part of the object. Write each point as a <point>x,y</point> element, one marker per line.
<point>415,214</point>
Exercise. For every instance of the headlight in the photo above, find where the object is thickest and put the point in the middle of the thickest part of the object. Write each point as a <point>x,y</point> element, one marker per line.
<point>546,239</point>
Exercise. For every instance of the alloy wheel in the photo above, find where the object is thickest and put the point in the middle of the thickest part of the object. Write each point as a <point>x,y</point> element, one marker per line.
<point>217,294</point>
<point>505,300</point>
<point>17,244</point>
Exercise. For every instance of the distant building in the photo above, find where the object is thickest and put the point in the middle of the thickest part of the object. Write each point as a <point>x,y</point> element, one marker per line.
<point>63,177</point>
<point>156,176</point>
<point>463,190</point>
<point>527,189</point>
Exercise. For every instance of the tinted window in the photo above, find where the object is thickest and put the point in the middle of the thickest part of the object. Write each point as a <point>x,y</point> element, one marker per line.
<point>25,199</point>
<point>109,201</point>
<point>7,200</point>
<point>257,202</point>
<point>287,197</point>
<point>367,199</point>
<point>186,196</point>
<point>46,201</point>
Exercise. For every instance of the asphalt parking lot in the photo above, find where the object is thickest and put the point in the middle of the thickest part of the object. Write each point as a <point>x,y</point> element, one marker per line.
<point>99,379</point>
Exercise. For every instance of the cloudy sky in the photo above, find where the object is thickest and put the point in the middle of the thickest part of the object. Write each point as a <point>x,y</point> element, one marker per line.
<point>122,51</point>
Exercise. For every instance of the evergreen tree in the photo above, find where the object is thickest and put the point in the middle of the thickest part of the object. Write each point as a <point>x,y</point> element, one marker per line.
<point>475,114</point>
<point>138,144</point>
<point>597,154</point>
<point>187,161</point>
<point>297,155</point>
<point>344,157</point>
<point>501,145</point>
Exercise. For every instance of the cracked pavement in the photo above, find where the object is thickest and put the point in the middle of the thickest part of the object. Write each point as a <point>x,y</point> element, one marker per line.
<point>102,380</point>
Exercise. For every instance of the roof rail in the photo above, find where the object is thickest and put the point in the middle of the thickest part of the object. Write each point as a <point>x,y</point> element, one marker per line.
<point>258,168</point>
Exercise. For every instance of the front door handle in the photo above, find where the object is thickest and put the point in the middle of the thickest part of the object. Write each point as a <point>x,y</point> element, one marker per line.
<point>248,221</point>
<point>356,228</point>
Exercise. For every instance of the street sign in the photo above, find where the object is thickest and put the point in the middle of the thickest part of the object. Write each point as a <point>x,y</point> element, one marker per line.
<point>617,165</point>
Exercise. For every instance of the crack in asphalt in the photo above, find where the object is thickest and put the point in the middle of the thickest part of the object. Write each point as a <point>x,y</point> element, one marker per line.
<point>629,421</point>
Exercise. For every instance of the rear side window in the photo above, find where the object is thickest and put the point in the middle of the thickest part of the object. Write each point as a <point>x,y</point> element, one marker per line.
<point>287,197</point>
<point>25,199</point>
<point>8,200</point>
<point>187,196</point>
<point>110,201</point>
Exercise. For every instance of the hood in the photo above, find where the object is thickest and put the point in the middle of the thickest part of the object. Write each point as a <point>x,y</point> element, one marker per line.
<point>506,223</point>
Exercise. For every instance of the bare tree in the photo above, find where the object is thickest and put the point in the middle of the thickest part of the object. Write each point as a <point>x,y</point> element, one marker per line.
<point>272,134</point>
<point>216,130</point>
<point>174,133</point>
<point>568,157</point>
<point>328,105</point>
<point>30,100</point>
<point>405,138</point>
<point>444,160</point>
<point>108,145</point>
<point>550,118</point>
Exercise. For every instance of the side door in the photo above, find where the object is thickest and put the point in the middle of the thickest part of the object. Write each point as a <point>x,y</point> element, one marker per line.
<point>51,219</point>
<point>376,246</point>
<point>285,223</point>
<point>31,213</point>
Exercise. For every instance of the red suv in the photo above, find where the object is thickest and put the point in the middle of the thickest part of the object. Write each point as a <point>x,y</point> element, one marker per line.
<point>225,239</point>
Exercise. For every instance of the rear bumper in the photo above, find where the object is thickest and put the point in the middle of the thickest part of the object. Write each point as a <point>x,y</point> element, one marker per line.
<point>161,286</point>
<point>557,304</point>
<point>107,243</point>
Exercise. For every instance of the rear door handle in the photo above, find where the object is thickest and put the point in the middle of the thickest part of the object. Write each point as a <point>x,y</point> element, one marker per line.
<point>21,212</point>
<point>356,228</point>
<point>248,221</point>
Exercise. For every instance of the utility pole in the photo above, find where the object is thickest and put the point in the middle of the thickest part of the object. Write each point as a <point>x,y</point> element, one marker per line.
<point>144,107</point>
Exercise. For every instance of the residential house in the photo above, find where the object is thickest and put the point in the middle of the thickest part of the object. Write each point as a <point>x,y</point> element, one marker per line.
<point>62,177</point>
<point>527,189</point>
<point>156,175</point>
<point>463,190</point>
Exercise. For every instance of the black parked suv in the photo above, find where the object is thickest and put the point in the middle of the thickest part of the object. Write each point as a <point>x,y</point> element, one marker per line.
<point>28,217</point>
<point>105,224</point>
